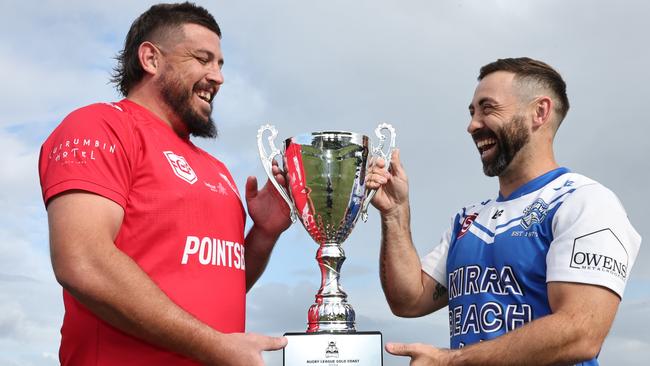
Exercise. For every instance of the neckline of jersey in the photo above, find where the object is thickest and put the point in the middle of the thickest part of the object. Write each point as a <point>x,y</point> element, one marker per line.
<point>142,110</point>
<point>534,184</point>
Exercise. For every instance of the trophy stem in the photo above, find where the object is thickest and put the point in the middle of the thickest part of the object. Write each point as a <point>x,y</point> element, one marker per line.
<point>331,313</point>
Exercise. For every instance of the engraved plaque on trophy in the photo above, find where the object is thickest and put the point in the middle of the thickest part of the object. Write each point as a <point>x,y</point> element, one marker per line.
<point>326,174</point>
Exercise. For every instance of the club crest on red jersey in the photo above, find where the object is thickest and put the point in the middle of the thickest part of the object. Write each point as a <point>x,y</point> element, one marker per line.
<point>180,167</point>
<point>466,224</point>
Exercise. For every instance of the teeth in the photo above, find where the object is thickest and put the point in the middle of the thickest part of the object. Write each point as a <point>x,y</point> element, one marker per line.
<point>204,95</point>
<point>482,143</point>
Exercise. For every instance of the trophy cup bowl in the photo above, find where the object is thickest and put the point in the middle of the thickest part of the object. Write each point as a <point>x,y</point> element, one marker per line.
<point>326,174</point>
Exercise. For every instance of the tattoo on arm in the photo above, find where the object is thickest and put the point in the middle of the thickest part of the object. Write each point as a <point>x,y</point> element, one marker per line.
<point>439,292</point>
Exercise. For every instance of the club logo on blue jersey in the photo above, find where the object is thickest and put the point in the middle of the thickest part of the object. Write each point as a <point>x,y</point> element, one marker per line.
<point>534,213</point>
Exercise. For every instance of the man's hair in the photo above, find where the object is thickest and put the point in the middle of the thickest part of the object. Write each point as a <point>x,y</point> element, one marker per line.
<point>533,74</point>
<point>155,24</point>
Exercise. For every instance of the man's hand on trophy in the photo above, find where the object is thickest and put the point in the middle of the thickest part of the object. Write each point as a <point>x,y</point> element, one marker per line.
<point>391,185</point>
<point>421,354</point>
<point>266,207</point>
<point>245,349</point>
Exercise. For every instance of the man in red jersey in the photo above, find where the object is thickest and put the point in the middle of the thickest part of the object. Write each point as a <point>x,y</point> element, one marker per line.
<point>146,229</point>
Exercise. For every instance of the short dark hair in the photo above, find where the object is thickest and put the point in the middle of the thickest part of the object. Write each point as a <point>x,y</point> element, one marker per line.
<point>157,22</point>
<point>527,70</point>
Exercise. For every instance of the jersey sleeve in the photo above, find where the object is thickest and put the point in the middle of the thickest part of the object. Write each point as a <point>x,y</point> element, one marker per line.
<point>435,263</point>
<point>91,150</point>
<point>594,242</point>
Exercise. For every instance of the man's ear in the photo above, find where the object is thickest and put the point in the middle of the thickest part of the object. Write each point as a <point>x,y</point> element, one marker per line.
<point>149,57</point>
<point>542,108</point>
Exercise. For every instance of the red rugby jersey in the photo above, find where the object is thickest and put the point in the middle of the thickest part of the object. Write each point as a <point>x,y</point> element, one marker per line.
<point>183,223</point>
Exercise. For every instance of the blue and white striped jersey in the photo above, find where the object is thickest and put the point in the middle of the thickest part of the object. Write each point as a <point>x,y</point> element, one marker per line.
<point>497,256</point>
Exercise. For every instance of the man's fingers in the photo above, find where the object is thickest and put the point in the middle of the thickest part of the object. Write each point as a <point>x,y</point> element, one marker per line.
<point>399,349</point>
<point>378,162</point>
<point>376,172</point>
<point>277,173</point>
<point>273,343</point>
<point>251,187</point>
<point>377,179</point>
<point>280,179</point>
<point>396,164</point>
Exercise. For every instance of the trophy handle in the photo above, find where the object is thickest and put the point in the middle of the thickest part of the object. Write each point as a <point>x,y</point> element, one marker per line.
<point>378,151</point>
<point>267,163</point>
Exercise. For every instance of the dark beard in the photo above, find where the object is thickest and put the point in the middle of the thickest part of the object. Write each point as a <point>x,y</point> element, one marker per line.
<point>178,100</point>
<point>511,138</point>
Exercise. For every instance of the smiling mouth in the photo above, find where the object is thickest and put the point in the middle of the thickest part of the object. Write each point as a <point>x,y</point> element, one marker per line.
<point>204,95</point>
<point>485,145</point>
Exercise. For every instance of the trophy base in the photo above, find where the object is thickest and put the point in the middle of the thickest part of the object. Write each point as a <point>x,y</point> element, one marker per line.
<point>332,349</point>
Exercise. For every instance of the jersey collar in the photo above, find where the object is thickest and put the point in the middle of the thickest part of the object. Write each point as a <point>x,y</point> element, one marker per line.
<point>142,113</point>
<point>534,184</point>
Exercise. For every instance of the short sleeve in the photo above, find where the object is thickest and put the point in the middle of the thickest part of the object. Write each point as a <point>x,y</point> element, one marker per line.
<point>435,263</point>
<point>91,150</point>
<point>594,242</point>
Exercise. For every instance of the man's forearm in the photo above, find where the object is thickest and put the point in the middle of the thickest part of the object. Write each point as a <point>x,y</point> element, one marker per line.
<point>555,339</point>
<point>400,271</point>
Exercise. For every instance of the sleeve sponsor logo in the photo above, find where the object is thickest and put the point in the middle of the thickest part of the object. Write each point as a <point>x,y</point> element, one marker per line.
<point>180,167</point>
<point>80,150</point>
<point>600,251</point>
<point>534,213</point>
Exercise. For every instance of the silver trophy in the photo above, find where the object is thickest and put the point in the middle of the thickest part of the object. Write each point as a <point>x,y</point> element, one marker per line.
<point>326,174</point>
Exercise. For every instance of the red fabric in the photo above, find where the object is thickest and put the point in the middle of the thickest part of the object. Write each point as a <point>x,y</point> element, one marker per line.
<point>183,223</point>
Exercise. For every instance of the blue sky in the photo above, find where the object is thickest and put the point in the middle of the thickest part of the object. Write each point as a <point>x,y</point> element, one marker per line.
<point>305,66</point>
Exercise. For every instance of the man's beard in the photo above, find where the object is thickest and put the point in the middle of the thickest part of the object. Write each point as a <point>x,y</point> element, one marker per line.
<point>511,138</point>
<point>179,100</point>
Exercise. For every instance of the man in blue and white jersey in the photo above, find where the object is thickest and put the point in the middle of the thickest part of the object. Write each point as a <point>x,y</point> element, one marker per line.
<point>531,277</point>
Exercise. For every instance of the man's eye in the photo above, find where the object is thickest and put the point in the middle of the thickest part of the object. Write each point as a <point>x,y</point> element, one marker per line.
<point>202,60</point>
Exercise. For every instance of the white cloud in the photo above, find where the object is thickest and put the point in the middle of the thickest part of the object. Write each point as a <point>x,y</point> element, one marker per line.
<point>19,162</point>
<point>30,302</point>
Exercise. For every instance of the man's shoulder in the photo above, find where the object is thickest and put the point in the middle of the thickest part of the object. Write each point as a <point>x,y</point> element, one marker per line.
<point>99,116</point>
<point>475,208</point>
<point>571,180</point>
<point>100,110</point>
<point>574,194</point>
<point>563,184</point>
<point>99,122</point>
<point>572,183</point>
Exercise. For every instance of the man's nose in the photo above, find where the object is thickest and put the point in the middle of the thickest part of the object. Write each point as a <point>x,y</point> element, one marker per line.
<point>474,125</point>
<point>215,76</point>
